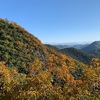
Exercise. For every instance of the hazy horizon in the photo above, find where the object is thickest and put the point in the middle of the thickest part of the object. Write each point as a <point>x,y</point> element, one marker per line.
<point>68,43</point>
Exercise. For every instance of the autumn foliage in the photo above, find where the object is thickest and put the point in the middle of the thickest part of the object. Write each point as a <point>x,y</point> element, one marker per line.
<point>30,70</point>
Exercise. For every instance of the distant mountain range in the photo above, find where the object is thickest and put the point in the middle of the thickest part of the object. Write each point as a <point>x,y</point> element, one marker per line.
<point>77,46</point>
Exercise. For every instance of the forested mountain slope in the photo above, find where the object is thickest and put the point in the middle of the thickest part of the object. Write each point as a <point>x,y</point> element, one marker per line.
<point>18,48</point>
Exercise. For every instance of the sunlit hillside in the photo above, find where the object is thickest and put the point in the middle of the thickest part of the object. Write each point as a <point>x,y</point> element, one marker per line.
<point>30,70</point>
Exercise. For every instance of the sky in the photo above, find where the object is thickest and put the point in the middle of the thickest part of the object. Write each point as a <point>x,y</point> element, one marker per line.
<point>56,21</point>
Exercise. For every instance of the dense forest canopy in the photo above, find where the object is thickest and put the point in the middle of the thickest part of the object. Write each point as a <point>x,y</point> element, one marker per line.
<point>30,70</point>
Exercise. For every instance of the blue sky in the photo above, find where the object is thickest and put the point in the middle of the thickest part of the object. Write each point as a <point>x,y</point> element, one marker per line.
<point>56,21</point>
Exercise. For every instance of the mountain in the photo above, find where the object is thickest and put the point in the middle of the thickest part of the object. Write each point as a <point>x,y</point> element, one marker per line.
<point>78,55</point>
<point>30,70</point>
<point>92,47</point>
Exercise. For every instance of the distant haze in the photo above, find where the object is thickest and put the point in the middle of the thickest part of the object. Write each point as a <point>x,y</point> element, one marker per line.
<point>69,43</point>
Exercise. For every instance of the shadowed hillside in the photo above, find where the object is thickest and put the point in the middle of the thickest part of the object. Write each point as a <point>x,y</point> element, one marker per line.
<point>93,49</point>
<point>93,46</point>
<point>78,55</point>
